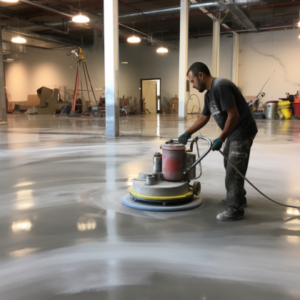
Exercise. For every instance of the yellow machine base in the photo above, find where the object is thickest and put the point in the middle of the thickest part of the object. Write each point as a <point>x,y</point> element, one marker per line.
<point>187,196</point>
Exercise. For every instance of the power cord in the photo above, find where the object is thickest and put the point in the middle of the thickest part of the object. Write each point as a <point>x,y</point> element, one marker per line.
<point>297,207</point>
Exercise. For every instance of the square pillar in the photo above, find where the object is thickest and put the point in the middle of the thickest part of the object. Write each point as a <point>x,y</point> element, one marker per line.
<point>235,59</point>
<point>3,116</point>
<point>216,48</point>
<point>111,65</point>
<point>183,58</point>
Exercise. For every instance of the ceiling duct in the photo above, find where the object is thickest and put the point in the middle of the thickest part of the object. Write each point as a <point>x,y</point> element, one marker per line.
<point>13,52</point>
<point>35,40</point>
<point>239,16</point>
<point>169,10</point>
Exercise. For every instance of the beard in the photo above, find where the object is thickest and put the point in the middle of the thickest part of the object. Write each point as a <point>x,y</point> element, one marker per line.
<point>201,87</point>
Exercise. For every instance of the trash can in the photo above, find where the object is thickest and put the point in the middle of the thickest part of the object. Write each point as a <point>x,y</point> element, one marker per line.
<point>271,110</point>
<point>297,107</point>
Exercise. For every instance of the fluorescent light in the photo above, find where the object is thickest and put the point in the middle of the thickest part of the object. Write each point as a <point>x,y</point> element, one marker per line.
<point>10,59</point>
<point>18,40</point>
<point>80,19</point>
<point>124,63</point>
<point>133,39</point>
<point>10,1</point>
<point>162,50</point>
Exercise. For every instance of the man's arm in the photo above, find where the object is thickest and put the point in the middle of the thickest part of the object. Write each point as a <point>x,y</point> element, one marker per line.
<point>232,119</point>
<point>200,122</point>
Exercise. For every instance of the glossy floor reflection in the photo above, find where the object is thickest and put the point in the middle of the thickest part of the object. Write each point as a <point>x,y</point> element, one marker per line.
<point>66,235</point>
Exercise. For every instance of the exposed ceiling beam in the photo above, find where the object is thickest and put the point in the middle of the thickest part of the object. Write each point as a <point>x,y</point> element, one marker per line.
<point>239,16</point>
<point>214,18</point>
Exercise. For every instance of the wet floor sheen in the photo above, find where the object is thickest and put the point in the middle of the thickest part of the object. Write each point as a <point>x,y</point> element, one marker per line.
<point>66,235</point>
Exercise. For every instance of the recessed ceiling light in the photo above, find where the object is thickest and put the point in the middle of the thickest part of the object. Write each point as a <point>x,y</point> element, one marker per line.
<point>18,40</point>
<point>80,19</point>
<point>133,39</point>
<point>162,50</point>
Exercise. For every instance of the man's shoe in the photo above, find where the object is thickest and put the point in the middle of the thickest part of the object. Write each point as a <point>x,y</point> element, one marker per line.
<point>231,214</point>
<point>224,202</point>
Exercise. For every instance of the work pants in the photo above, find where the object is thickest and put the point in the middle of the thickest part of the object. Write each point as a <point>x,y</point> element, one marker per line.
<point>238,152</point>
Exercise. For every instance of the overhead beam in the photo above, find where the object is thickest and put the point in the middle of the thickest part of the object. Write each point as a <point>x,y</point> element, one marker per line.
<point>239,16</point>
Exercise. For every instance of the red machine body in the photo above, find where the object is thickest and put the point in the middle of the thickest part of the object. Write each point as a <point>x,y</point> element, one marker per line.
<point>173,161</point>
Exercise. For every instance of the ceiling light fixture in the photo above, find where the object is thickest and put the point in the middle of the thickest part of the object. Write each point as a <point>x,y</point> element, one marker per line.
<point>299,24</point>
<point>162,50</point>
<point>10,1</point>
<point>80,18</point>
<point>18,39</point>
<point>133,39</point>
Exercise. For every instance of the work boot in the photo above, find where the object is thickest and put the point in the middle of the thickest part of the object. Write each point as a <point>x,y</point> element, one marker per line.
<point>231,214</point>
<point>224,202</point>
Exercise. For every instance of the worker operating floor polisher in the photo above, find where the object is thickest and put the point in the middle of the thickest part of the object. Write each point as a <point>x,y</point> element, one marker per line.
<point>168,187</point>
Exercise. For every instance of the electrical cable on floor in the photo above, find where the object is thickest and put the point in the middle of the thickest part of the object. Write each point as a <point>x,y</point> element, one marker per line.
<point>297,207</point>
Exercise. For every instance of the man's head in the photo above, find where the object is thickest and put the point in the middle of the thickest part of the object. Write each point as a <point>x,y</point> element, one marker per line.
<point>199,75</point>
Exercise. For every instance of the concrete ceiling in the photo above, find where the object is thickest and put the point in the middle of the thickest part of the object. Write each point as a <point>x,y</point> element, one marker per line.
<point>51,19</point>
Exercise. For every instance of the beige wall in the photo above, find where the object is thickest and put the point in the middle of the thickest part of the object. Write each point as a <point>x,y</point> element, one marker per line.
<point>260,54</point>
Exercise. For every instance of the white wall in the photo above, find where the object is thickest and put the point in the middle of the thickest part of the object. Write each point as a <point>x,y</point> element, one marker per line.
<point>260,54</point>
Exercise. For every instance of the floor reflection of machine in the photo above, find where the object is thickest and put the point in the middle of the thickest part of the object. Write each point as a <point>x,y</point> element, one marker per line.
<point>168,187</point>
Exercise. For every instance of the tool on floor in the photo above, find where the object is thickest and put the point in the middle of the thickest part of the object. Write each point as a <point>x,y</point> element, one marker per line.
<point>168,187</point>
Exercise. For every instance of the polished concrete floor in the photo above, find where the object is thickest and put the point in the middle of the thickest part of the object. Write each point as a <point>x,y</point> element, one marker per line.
<point>66,235</point>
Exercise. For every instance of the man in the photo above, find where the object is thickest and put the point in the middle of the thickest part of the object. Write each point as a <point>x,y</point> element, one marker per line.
<point>229,108</point>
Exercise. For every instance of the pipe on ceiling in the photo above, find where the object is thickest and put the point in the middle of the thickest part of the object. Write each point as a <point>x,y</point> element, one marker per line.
<point>169,10</point>
<point>261,28</point>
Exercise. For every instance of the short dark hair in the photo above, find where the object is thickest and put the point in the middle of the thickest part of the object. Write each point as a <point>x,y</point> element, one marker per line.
<point>197,67</point>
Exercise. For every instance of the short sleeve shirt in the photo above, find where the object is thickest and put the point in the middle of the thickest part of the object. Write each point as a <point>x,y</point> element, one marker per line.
<point>223,95</point>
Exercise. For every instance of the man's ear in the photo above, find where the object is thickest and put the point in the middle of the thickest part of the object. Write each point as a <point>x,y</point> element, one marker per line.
<point>200,75</point>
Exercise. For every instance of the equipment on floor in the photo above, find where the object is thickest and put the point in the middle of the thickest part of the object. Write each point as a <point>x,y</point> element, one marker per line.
<point>168,187</point>
<point>81,64</point>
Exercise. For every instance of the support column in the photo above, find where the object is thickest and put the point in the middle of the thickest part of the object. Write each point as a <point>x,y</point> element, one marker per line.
<point>235,58</point>
<point>216,48</point>
<point>3,116</point>
<point>111,65</point>
<point>183,58</point>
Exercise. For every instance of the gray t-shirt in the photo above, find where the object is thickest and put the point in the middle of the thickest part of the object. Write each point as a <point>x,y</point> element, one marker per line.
<point>223,95</point>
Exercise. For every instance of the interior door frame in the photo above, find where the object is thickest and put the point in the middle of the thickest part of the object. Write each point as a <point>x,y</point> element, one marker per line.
<point>141,85</point>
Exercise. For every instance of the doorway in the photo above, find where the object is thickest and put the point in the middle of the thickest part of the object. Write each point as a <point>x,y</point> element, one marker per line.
<point>151,95</point>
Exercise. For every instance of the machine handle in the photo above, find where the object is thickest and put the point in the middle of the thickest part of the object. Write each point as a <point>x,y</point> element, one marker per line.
<point>195,140</point>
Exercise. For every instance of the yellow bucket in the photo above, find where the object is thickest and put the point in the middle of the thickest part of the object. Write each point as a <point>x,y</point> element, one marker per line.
<point>284,107</point>
<point>284,104</point>
<point>286,113</point>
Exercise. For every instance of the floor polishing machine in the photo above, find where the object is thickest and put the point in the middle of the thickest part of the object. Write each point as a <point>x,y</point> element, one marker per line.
<point>168,187</point>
